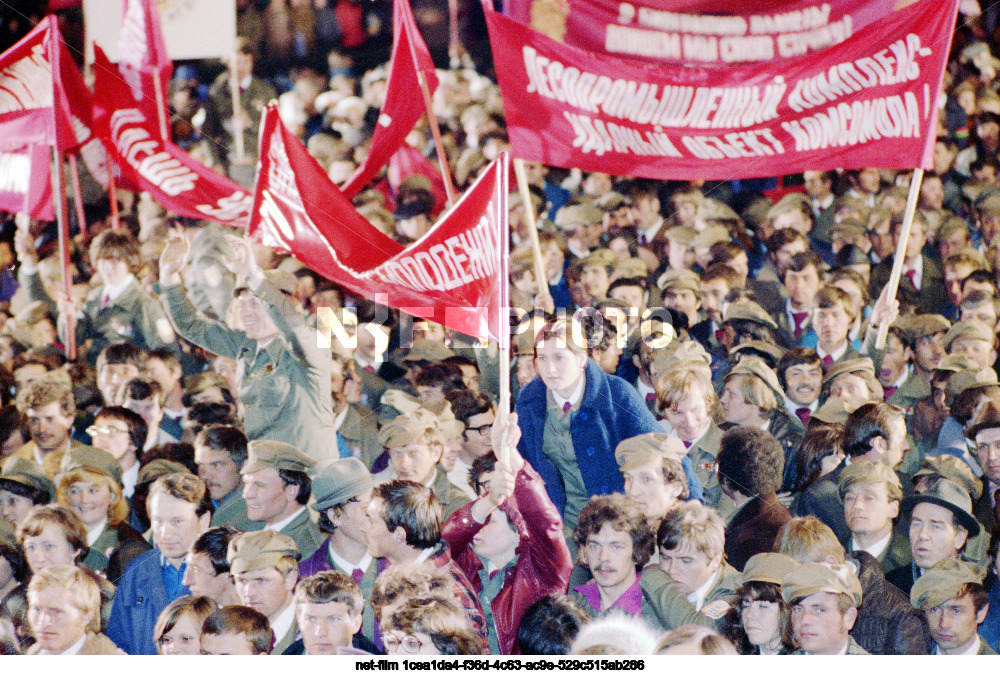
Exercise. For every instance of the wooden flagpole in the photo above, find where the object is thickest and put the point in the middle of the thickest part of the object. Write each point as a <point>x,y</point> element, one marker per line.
<point>64,256</point>
<point>897,260</point>
<point>113,195</point>
<point>529,214</point>
<point>81,217</point>
<point>503,411</point>
<point>234,89</point>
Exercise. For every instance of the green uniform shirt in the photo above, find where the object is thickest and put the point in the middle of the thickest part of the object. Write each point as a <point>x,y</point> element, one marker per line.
<point>557,445</point>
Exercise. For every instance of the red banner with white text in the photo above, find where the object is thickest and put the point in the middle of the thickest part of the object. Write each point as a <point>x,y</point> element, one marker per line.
<point>451,275</point>
<point>176,181</point>
<point>870,101</point>
<point>701,31</point>
<point>143,60</point>
<point>25,184</point>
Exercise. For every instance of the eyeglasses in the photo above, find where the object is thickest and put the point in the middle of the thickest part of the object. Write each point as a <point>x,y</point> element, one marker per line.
<point>409,643</point>
<point>104,430</point>
<point>479,429</point>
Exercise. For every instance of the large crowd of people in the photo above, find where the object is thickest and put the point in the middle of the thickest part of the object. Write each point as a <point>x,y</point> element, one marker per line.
<point>707,450</point>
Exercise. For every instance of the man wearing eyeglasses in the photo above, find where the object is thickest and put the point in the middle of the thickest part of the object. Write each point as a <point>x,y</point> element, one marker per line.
<point>476,412</point>
<point>121,433</point>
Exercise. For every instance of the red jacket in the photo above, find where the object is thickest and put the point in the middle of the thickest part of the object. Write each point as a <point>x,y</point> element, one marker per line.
<point>543,566</point>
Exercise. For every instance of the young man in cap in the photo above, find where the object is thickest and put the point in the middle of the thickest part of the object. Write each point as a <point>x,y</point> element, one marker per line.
<point>285,381</point>
<point>265,569</point>
<point>23,485</point>
<point>328,609</point>
<point>941,522</point>
<point>220,453</point>
<point>854,382</point>
<point>276,489</point>
<point>752,397</point>
<point>595,274</point>
<point>657,474</point>
<point>415,446</point>
<point>871,492</point>
<point>823,604</point>
<point>955,603</point>
<point>984,432</point>
<point>972,339</point>
<point>179,510</point>
<point>342,490</point>
<point>682,293</point>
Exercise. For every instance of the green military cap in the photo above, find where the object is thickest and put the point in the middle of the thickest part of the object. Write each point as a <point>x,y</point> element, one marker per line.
<point>987,417</point>
<point>255,550</point>
<point>943,582</point>
<point>514,199</point>
<point>611,201</point>
<point>969,330</point>
<point>956,362</point>
<point>677,352</point>
<point>769,567</point>
<point>810,578</point>
<point>427,349</point>
<point>28,474</point>
<point>449,426</point>
<point>275,454</point>
<point>867,471</point>
<point>990,205</point>
<point>949,495</point>
<point>681,279</point>
<point>755,367</point>
<point>337,481</point>
<point>631,268</point>
<point>772,350</point>
<point>713,209</point>
<point>833,411</point>
<point>682,236</point>
<point>849,227</point>
<point>94,460</point>
<point>962,381</point>
<point>202,381</point>
<point>951,468</point>
<point>282,279</point>
<point>157,468</point>
<point>923,325</point>
<point>849,366</point>
<point>645,447</point>
<point>407,428</point>
<point>570,217</point>
<point>710,236</point>
<point>602,257</point>
<point>747,310</point>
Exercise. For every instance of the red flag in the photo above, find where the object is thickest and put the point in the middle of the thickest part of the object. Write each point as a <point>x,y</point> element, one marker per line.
<point>403,103</point>
<point>25,183</point>
<point>175,180</point>
<point>452,275</point>
<point>143,60</point>
<point>406,162</point>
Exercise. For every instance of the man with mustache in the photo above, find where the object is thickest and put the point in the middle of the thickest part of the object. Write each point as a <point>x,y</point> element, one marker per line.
<point>800,372</point>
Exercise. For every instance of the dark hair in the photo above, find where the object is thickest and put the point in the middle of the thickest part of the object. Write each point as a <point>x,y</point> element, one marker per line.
<point>324,522</point>
<point>297,477</point>
<point>980,597</point>
<point>751,461</point>
<point>412,506</point>
<point>137,429</point>
<point>165,355</point>
<point>243,620</point>
<point>448,376</point>
<point>15,558</point>
<point>179,452</point>
<point>37,496</point>
<point>866,423</point>
<point>808,258</point>
<point>782,237</point>
<point>201,415</point>
<point>229,439</point>
<point>819,442</point>
<point>466,404</point>
<point>482,465</point>
<point>141,388</point>
<point>628,282</point>
<point>755,590</point>
<point>549,626</point>
<point>214,543</point>
<point>622,515</point>
<point>122,353</point>
<point>979,276</point>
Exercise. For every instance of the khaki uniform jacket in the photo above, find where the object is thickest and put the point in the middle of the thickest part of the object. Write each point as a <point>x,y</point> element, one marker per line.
<point>450,496</point>
<point>93,644</point>
<point>306,535</point>
<point>209,284</point>
<point>287,640</point>
<point>703,456</point>
<point>233,511</point>
<point>284,387</point>
<point>50,461</point>
<point>360,431</point>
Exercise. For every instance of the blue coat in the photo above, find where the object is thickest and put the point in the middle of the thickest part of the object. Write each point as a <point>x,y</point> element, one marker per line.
<point>139,600</point>
<point>610,411</point>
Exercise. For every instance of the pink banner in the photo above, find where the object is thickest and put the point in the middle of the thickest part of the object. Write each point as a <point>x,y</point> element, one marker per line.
<point>404,104</point>
<point>406,162</point>
<point>143,60</point>
<point>452,275</point>
<point>870,101</point>
<point>176,181</point>
<point>701,31</point>
<point>25,184</point>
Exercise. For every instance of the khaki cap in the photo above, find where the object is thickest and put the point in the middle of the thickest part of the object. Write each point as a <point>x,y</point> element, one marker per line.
<point>646,447</point>
<point>681,279</point>
<point>944,581</point>
<point>988,417</point>
<point>849,227</point>
<point>849,366</point>
<point>713,209</point>
<point>407,428</point>
<point>990,205</point>
<point>157,468</point>
<point>338,481</point>
<point>677,352</point>
<point>682,236</point>
<point>956,362</point>
<point>950,495</point>
<point>711,235</point>
<point>962,381</point>
<point>449,426</point>
<point>968,330</point>
<point>748,311</point>
<point>611,201</point>
<point>923,325</point>
<point>833,411</point>
<point>202,381</point>
<point>427,349</point>
<point>867,471</point>
<point>27,473</point>
<point>951,468</point>
<point>755,367</point>
<point>256,550</point>
<point>631,268</point>
<point>94,460</point>
<point>281,279</point>
<point>769,567</point>
<point>811,578</point>
<point>275,454</point>
<point>602,257</point>
<point>568,218</point>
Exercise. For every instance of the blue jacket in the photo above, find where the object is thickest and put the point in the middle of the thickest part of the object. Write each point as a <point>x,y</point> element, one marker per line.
<point>139,600</point>
<point>610,411</point>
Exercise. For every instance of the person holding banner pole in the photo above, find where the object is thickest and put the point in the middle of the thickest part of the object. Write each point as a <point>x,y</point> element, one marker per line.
<point>897,261</point>
<point>64,255</point>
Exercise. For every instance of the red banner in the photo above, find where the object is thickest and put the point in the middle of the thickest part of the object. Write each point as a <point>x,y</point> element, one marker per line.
<point>452,275</point>
<point>870,101</point>
<point>700,31</point>
<point>406,162</point>
<point>404,103</point>
<point>176,181</point>
<point>25,184</point>
<point>143,60</point>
